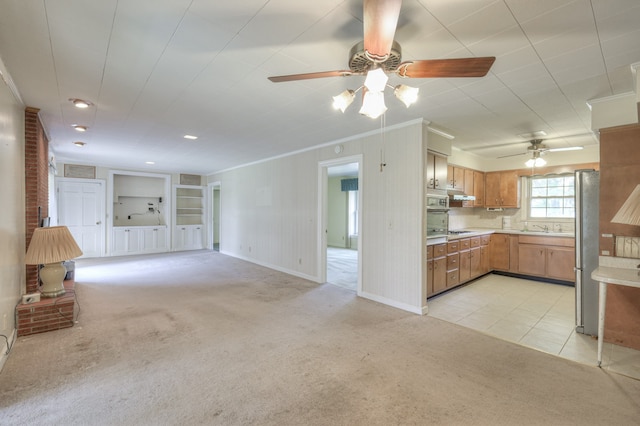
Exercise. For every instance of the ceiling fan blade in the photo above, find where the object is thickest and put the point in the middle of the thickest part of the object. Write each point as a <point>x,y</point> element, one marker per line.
<point>458,67</point>
<point>513,155</point>
<point>380,22</point>
<point>311,75</point>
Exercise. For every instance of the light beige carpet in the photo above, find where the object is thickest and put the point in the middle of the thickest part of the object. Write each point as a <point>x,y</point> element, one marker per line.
<point>200,338</point>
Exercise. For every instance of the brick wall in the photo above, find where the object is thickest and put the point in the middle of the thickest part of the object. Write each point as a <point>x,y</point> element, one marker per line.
<point>36,157</point>
<point>48,314</point>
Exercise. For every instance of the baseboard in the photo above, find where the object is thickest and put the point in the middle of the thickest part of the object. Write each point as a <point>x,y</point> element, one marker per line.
<point>393,303</point>
<point>4,347</point>
<point>274,267</point>
<point>385,301</point>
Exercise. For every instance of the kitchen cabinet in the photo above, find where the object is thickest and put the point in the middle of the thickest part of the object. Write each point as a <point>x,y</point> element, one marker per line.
<point>436,171</point>
<point>547,257</point>
<point>484,254</point>
<point>453,262</point>
<point>436,268</point>
<point>502,189</point>
<point>460,261</point>
<point>138,240</point>
<point>455,178</point>
<point>499,252</point>
<point>478,188</point>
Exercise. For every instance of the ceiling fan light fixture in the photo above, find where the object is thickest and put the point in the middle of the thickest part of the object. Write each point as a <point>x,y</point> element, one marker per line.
<point>535,162</point>
<point>406,94</point>
<point>376,80</point>
<point>343,100</point>
<point>373,104</point>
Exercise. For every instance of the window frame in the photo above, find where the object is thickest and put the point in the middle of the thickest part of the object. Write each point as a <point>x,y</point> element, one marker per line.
<point>528,198</point>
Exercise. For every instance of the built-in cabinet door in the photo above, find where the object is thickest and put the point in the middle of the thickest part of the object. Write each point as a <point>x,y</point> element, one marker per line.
<point>478,188</point>
<point>429,277</point>
<point>499,252</point>
<point>439,274</point>
<point>189,237</point>
<point>532,259</point>
<point>465,266</point>
<point>475,259</point>
<point>560,263</point>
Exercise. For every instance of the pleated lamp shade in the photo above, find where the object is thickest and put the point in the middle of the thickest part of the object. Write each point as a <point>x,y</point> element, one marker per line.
<point>51,245</point>
<point>629,213</point>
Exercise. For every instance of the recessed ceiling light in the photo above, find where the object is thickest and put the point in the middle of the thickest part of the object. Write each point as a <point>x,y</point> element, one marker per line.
<point>190,137</point>
<point>80,103</point>
<point>79,143</point>
<point>79,128</point>
<point>150,162</point>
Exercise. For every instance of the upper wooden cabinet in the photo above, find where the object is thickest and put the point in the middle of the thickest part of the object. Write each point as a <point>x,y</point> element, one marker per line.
<point>436,171</point>
<point>455,178</point>
<point>502,189</point>
<point>478,188</point>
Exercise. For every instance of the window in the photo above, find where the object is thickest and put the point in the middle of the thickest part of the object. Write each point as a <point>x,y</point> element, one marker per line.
<point>353,212</point>
<point>552,196</point>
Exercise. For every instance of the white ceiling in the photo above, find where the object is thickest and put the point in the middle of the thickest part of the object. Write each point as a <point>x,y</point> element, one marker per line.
<point>159,69</point>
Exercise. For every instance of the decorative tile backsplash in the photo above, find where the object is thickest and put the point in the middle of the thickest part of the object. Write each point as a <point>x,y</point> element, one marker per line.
<point>461,218</point>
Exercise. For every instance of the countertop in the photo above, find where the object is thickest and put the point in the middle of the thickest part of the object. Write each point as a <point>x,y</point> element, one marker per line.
<point>622,276</point>
<point>474,232</point>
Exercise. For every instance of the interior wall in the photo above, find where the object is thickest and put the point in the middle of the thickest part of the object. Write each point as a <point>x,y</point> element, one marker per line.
<point>270,213</point>
<point>12,215</point>
<point>337,224</point>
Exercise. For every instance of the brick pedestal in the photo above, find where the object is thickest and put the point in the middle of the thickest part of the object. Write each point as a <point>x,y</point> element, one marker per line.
<point>48,314</point>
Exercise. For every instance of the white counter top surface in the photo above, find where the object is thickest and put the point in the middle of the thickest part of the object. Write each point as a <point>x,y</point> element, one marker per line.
<point>480,231</point>
<point>622,276</point>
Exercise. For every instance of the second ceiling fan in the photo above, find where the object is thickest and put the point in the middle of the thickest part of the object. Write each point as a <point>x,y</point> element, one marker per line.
<point>378,55</point>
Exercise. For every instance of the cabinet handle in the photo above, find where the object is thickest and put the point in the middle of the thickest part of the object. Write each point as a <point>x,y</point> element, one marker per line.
<point>437,183</point>
<point>431,182</point>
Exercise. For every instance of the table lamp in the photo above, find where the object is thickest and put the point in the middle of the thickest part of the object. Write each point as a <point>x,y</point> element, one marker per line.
<point>50,247</point>
<point>629,213</point>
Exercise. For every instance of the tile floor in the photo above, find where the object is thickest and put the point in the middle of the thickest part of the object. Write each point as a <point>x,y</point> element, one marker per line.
<point>531,313</point>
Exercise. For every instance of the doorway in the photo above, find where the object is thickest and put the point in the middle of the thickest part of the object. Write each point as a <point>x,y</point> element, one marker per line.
<point>341,222</point>
<point>215,215</point>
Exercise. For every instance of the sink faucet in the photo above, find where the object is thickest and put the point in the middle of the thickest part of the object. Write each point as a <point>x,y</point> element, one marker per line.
<point>545,228</point>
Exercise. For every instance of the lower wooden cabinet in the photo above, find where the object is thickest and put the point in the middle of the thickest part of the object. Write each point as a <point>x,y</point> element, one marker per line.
<point>456,262</point>
<point>464,259</point>
<point>547,257</point>
<point>436,269</point>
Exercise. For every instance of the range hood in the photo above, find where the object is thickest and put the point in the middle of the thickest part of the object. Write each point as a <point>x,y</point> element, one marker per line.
<point>460,196</point>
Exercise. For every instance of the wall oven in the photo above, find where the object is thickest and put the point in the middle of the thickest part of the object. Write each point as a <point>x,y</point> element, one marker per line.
<point>437,223</point>
<point>437,215</point>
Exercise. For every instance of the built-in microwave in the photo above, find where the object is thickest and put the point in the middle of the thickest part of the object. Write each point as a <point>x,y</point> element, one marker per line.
<point>437,201</point>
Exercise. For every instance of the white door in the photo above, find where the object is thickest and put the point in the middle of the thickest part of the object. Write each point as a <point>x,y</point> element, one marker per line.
<point>81,209</point>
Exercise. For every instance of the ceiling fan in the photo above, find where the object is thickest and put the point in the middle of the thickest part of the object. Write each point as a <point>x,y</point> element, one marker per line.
<point>379,54</point>
<point>537,148</point>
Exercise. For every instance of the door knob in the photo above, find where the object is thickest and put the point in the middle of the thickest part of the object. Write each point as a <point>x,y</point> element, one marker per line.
<point>98,222</point>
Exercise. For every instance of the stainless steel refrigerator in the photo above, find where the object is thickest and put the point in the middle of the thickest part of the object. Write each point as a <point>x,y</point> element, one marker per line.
<point>587,193</point>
